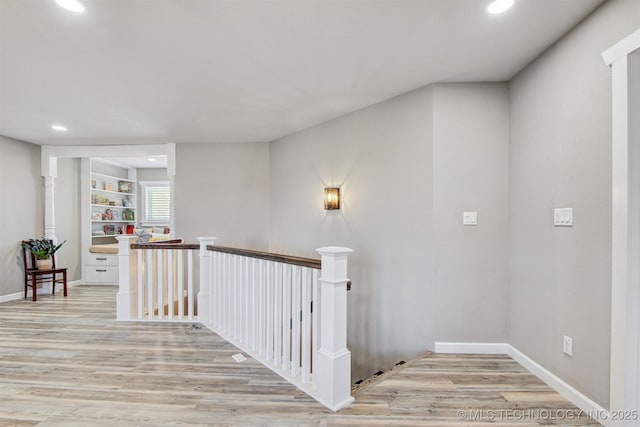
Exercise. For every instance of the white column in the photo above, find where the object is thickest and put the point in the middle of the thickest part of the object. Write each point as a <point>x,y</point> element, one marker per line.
<point>204,295</point>
<point>171,173</point>
<point>333,378</point>
<point>126,299</point>
<point>49,212</point>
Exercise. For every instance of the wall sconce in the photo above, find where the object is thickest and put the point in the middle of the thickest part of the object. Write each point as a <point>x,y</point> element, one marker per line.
<point>331,198</point>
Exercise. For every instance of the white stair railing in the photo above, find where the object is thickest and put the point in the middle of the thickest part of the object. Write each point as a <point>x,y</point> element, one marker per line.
<point>289,313</point>
<point>158,281</point>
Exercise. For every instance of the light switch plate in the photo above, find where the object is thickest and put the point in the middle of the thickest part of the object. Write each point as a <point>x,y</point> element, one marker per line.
<point>470,218</point>
<point>563,217</point>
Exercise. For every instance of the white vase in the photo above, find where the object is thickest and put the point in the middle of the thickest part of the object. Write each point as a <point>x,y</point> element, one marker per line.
<point>44,264</point>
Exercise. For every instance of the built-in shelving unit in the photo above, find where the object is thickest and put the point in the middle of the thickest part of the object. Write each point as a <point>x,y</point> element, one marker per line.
<point>113,204</point>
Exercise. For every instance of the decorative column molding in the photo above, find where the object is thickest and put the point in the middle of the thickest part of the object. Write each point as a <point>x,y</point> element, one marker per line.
<point>204,295</point>
<point>171,173</point>
<point>49,208</point>
<point>333,358</point>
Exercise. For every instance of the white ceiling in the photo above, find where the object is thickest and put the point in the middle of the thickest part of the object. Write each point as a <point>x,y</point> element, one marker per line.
<point>155,71</point>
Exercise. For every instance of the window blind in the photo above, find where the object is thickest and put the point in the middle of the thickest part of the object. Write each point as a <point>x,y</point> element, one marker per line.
<point>156,203</point>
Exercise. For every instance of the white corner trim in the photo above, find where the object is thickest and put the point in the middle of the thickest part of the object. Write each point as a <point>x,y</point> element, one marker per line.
<point>471,347</point>
<point>623,48</point>
<point>553,381</point>
<point>42,291</point>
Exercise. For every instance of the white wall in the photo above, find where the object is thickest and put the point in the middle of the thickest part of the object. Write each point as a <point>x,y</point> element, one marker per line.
<point>408,167</point>
<point>222,190</point>
<point>67,217</point>
<point>560,156</point>
<point>21,208</point>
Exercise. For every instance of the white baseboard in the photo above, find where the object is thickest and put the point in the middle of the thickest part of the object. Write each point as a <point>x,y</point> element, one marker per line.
<point>553,381</point>
<point>46,289</point>
<point>471,348</point>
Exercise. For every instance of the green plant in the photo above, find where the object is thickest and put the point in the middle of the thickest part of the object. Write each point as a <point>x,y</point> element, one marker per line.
<point>41,248</point>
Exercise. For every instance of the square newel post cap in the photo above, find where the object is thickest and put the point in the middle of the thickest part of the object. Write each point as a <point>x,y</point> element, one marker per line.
<point>204,242</point>
<point>334,264</point>
<point>334,250</point>
<point>207,240</point>
<point>123,243</point>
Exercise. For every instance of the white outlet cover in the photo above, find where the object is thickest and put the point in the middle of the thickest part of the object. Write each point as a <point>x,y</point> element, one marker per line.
<point>563,217</point>
<point>470,218</point>
<point>567,346</point>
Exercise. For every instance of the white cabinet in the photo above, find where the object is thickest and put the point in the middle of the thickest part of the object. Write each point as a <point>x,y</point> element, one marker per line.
<point>109,209</point>
<point>101,268</point>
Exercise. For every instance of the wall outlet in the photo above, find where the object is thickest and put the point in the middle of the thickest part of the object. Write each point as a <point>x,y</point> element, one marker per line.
<point>567,346</point>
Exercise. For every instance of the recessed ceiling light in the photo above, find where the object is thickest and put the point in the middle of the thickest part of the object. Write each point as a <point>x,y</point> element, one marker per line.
<point>499,6</point>
<point>59,128</point>
<point>72,5</point>
<point>152,159</point>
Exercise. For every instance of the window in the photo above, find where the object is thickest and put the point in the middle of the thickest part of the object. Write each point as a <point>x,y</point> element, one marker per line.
<point>156,202</point>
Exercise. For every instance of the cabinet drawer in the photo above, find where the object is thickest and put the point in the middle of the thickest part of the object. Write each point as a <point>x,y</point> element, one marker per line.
<point>102,259</point>
<point>100,274</point>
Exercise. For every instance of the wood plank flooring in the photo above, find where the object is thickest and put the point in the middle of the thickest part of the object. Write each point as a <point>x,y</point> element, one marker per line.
<point>67,362</point>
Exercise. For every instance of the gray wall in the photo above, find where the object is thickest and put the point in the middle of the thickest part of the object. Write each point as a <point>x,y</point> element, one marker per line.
<point>21,208</point>
<point>408,168</point>
<point>560,156</point>
<point>222,190</point>
<point>67,217</point>
<point>471,138</point>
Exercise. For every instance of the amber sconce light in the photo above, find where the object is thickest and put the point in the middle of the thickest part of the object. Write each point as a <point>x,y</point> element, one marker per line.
<point>331,198</point>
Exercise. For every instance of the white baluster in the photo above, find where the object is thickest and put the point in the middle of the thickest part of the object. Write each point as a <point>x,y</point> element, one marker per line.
<point>269,311</point>
<point>295,317</point>
<point>306,325</point>
<point>254,304</point>
<point>190,290</point>
<point>150,273</point>
<point>286,318</point>
<point>170,282</point>
<point>277,315</point>
<point>333,376</point>
<point>261,310</point>
<point>159,283</point>
<point>180,268</point>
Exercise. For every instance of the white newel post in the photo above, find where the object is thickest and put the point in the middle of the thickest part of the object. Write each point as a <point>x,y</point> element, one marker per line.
<point>333,376</point>
<point>204,295</point>
<point>126,298</point>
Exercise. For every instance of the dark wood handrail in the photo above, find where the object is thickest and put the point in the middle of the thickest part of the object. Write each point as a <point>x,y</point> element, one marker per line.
<point>286,259</point>
<point>166,244</point>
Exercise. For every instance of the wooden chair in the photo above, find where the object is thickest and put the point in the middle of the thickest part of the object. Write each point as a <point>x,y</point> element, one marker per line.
<point>33,276</point>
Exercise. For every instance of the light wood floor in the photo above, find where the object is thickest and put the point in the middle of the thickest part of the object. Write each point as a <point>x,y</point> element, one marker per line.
<point>67,362</point>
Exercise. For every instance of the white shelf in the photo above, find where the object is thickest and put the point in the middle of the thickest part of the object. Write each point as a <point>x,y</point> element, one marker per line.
<point>113,192</point>
<point>107,220</point>
<point>112,177</point>
<point>111,207</point>
<point>110,235</point>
